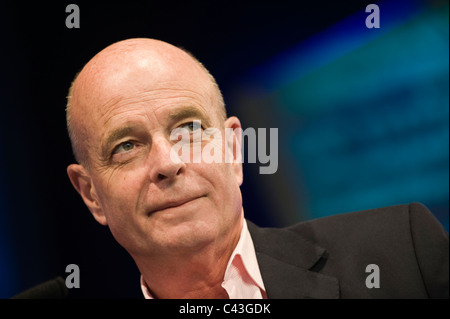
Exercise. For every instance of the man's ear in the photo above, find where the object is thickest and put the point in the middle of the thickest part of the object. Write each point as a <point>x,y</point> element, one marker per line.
<point>233,132</point>
<point>82,182</point>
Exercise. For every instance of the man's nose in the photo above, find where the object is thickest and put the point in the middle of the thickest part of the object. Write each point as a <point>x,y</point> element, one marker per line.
<point>162,165</point>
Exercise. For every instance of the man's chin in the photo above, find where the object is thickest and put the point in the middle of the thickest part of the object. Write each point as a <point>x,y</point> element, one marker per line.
<point>184,236</point>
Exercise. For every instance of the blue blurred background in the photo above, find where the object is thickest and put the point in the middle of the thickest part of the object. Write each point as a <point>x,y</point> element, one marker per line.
<point>362,116</point>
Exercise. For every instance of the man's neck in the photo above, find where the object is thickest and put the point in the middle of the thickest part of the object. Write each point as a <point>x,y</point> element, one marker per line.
<point>196,275</point>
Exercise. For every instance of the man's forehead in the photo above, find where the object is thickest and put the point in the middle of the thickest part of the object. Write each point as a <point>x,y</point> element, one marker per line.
<point>164,102</point>
<point>137,91</point>
<point>170,110</point>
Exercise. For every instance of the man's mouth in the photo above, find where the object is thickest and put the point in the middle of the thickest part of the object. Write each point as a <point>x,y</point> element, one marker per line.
<point>174,204</point>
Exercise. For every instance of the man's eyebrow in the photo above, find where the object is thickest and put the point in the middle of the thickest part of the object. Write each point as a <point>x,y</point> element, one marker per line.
<point>116,135</point>
<point>177,115</point>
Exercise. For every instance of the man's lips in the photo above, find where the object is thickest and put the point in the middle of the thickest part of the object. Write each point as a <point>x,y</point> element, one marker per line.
<point>173,204</point>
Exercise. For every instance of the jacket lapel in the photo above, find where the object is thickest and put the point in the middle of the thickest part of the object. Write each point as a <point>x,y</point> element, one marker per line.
<point>287,263</point>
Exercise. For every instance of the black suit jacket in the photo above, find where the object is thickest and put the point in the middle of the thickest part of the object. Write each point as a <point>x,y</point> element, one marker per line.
<point>327,257</point>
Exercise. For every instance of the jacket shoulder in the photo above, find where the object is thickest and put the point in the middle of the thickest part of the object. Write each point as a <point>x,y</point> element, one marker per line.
<point>379,226</point>
<point>406,242</point>
<point>377,220</point>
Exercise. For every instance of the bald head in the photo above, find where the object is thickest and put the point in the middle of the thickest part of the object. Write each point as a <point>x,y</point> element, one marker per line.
<point>124,70</point>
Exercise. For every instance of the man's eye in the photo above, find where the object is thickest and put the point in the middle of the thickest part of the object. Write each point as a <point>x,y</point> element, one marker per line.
<point>124,147</point>
<point>192,126</point>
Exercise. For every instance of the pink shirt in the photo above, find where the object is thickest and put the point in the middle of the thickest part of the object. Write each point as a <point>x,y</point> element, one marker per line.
<point>242,278</point>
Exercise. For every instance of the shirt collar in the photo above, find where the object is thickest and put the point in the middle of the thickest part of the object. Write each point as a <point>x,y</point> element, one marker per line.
<point>246,250</point>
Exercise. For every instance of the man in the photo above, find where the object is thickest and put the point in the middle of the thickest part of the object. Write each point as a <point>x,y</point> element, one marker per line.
<point>182,220</point>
